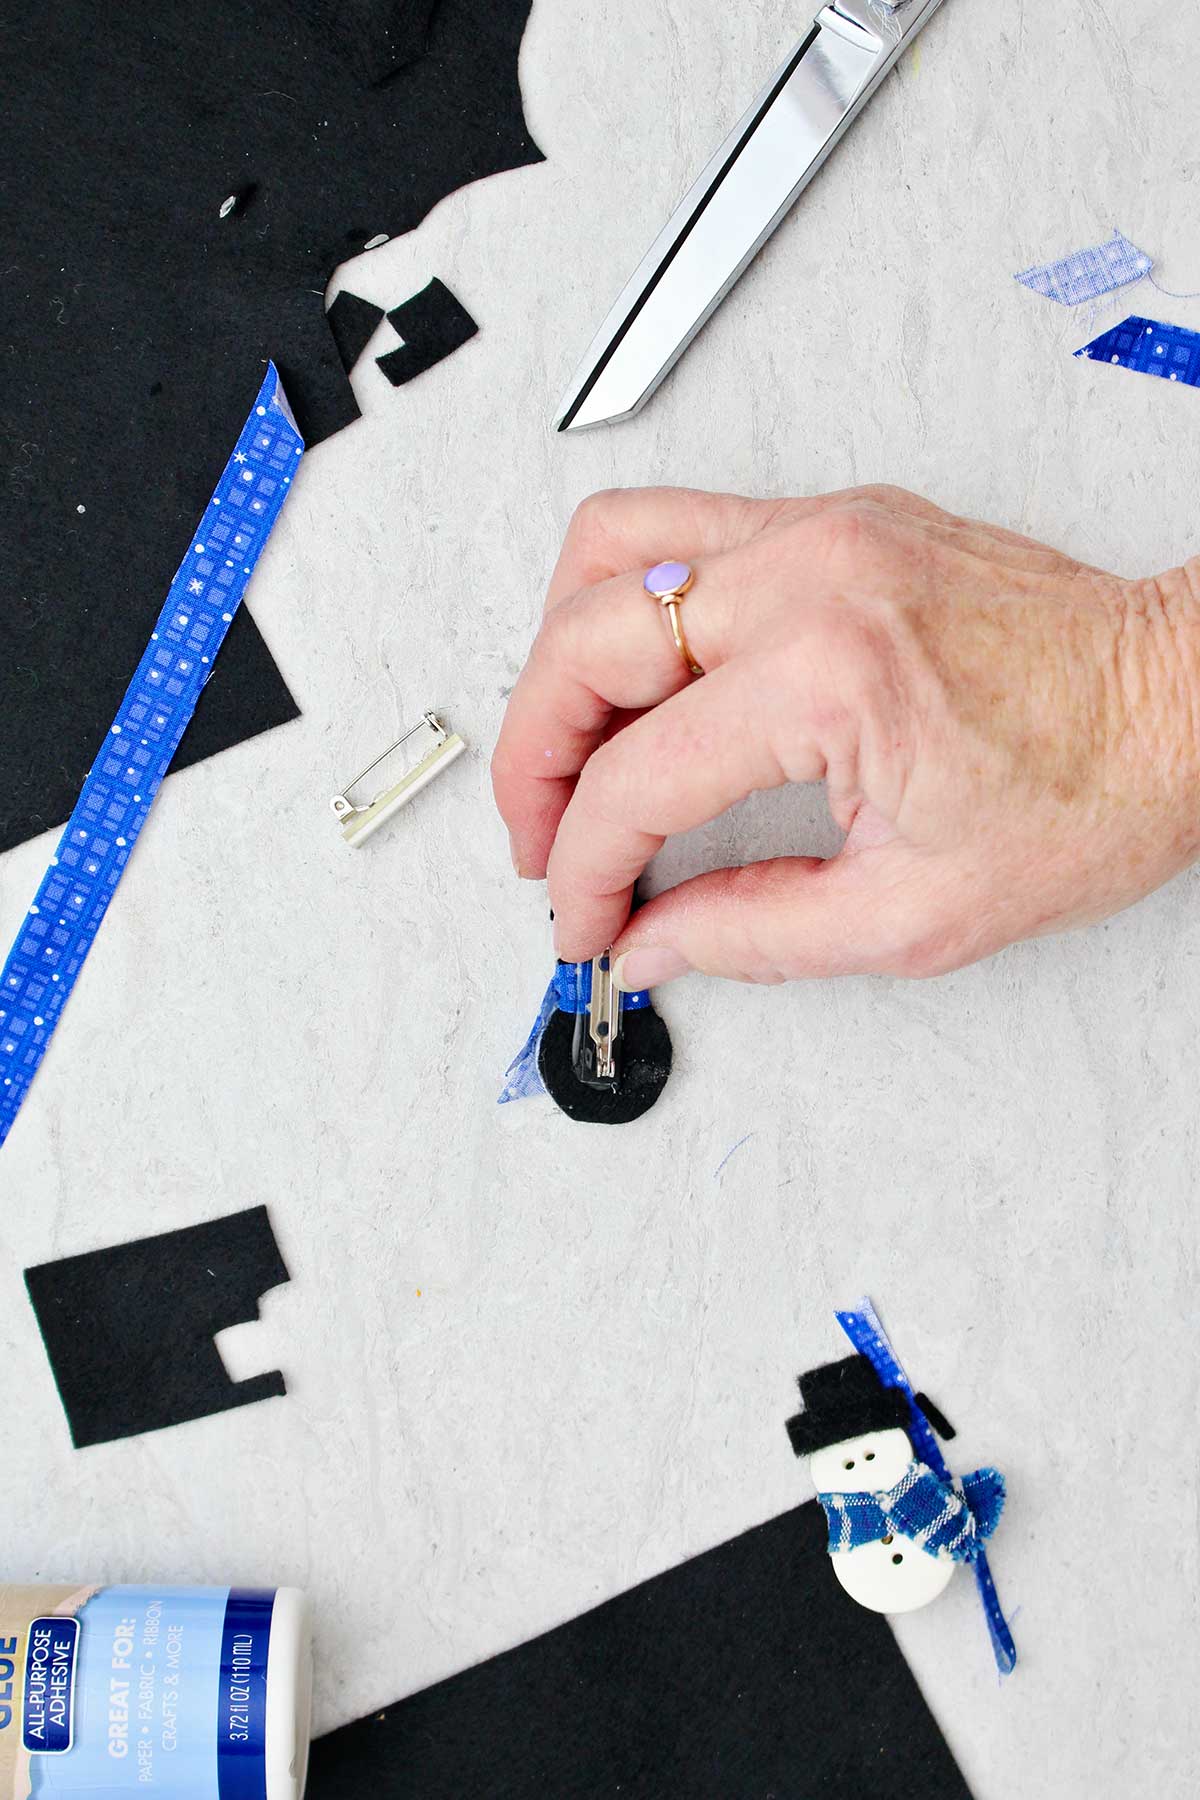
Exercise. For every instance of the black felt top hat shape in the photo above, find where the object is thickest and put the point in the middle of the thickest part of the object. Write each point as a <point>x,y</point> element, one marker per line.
<point>844,1400</point>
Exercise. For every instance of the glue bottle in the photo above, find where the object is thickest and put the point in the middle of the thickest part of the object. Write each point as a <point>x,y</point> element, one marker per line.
<point>197,1693</point>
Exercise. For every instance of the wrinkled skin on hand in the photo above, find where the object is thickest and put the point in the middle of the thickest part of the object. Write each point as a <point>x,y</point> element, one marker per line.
<point>1009,738</point>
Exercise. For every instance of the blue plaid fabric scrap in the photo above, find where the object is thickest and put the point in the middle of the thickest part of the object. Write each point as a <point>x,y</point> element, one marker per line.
<point>1086,274</point>
<point>944,1518</point>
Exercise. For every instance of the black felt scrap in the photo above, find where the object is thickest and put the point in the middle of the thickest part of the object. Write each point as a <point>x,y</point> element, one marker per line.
<point>433,324</point>
<point>352,322</point>
<point>129,1330</point>
<point>745,1674</point>
<point>645,1069</point>
<point>375,39</point>
<point>136,320</point>
<point>936,1417</point>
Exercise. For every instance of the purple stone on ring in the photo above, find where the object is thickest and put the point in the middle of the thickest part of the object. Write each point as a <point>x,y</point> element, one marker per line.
<point>667,578</point>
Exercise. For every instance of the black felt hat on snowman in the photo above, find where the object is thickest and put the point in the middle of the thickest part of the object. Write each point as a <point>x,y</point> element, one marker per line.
<point>846,1399</point>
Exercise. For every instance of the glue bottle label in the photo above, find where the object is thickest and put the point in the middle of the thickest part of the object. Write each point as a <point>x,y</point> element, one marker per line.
<point>111,1691</point>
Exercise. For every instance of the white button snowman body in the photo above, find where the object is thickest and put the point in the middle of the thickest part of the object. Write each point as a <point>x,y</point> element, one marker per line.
<point>894,1575</point>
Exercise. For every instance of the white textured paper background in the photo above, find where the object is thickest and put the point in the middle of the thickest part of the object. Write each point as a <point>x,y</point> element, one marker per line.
<point>591,1382</point>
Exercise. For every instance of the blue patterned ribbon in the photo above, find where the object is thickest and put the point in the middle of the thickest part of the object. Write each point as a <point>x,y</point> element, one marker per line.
<point>71,902</point>
<point>570,991</point>
<point>1086,274</point>
<point>865,1330</point>
<point>1171,352</point>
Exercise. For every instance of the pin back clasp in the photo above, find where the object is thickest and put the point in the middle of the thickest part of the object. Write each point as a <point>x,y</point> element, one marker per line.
<point>358,821</point>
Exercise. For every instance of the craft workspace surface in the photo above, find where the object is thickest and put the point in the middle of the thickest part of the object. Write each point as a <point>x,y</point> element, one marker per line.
<point>528,1362</point>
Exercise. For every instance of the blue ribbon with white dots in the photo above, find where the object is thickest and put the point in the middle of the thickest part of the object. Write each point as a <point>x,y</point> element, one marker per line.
<point>60,927</point>
<point>864,1328</point>
<point>570,991</point>
<point>1171,352</point>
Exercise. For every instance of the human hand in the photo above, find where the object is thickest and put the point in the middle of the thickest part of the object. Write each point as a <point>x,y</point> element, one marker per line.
<point>1010,739</point>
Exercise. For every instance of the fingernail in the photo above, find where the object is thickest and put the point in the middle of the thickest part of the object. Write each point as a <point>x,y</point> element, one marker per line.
<point>559,938</point>
<point>639,969</point>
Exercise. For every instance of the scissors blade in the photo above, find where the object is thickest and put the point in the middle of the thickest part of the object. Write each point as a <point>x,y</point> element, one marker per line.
<point>746,190</point>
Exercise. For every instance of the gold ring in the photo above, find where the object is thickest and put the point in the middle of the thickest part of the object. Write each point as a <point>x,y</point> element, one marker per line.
<point>668,582</point>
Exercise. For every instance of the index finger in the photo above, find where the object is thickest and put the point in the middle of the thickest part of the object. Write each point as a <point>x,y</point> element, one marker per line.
<point>676,768</point>
<point>552,723</point>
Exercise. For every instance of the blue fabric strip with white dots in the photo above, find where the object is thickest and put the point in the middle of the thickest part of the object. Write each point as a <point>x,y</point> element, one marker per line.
<point>864,1328</point>
<point>71,902</point>
<point>1171,352</point>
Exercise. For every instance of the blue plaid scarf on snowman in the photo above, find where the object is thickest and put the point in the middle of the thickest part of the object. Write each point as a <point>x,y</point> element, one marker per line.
<point>945,1518</point>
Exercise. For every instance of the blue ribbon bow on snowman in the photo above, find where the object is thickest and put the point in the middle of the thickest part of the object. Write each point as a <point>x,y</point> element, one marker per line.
<point>850,1408</point>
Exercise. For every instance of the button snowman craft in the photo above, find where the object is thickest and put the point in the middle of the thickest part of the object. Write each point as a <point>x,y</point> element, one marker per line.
<point>899,1523</point>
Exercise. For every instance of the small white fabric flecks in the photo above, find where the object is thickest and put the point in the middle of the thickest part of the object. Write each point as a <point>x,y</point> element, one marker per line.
<point>1086,274</point>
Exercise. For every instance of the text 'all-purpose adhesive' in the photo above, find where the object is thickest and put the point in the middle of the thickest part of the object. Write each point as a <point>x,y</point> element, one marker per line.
<point>198,1693</point>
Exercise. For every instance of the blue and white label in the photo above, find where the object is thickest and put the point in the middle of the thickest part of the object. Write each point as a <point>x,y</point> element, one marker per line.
<point>49,1686</point>
<point>150,1690</point>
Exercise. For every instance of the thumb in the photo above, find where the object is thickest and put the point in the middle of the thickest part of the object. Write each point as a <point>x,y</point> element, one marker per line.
<point>871,911</point>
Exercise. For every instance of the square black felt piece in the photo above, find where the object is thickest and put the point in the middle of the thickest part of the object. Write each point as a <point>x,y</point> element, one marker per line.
<point>137,321</point>
<point>433,324</point>
<point>352,322</point>
<point>745,1674</point>
<point>129,1330</point>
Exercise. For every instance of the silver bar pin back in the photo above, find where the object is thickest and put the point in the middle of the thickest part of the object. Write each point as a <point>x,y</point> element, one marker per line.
<point>596,1043</point>
<point>604,1017</point>
<point>359,821</point>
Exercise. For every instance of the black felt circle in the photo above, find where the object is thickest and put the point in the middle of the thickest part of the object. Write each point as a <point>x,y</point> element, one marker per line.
<point>646,1066</point>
